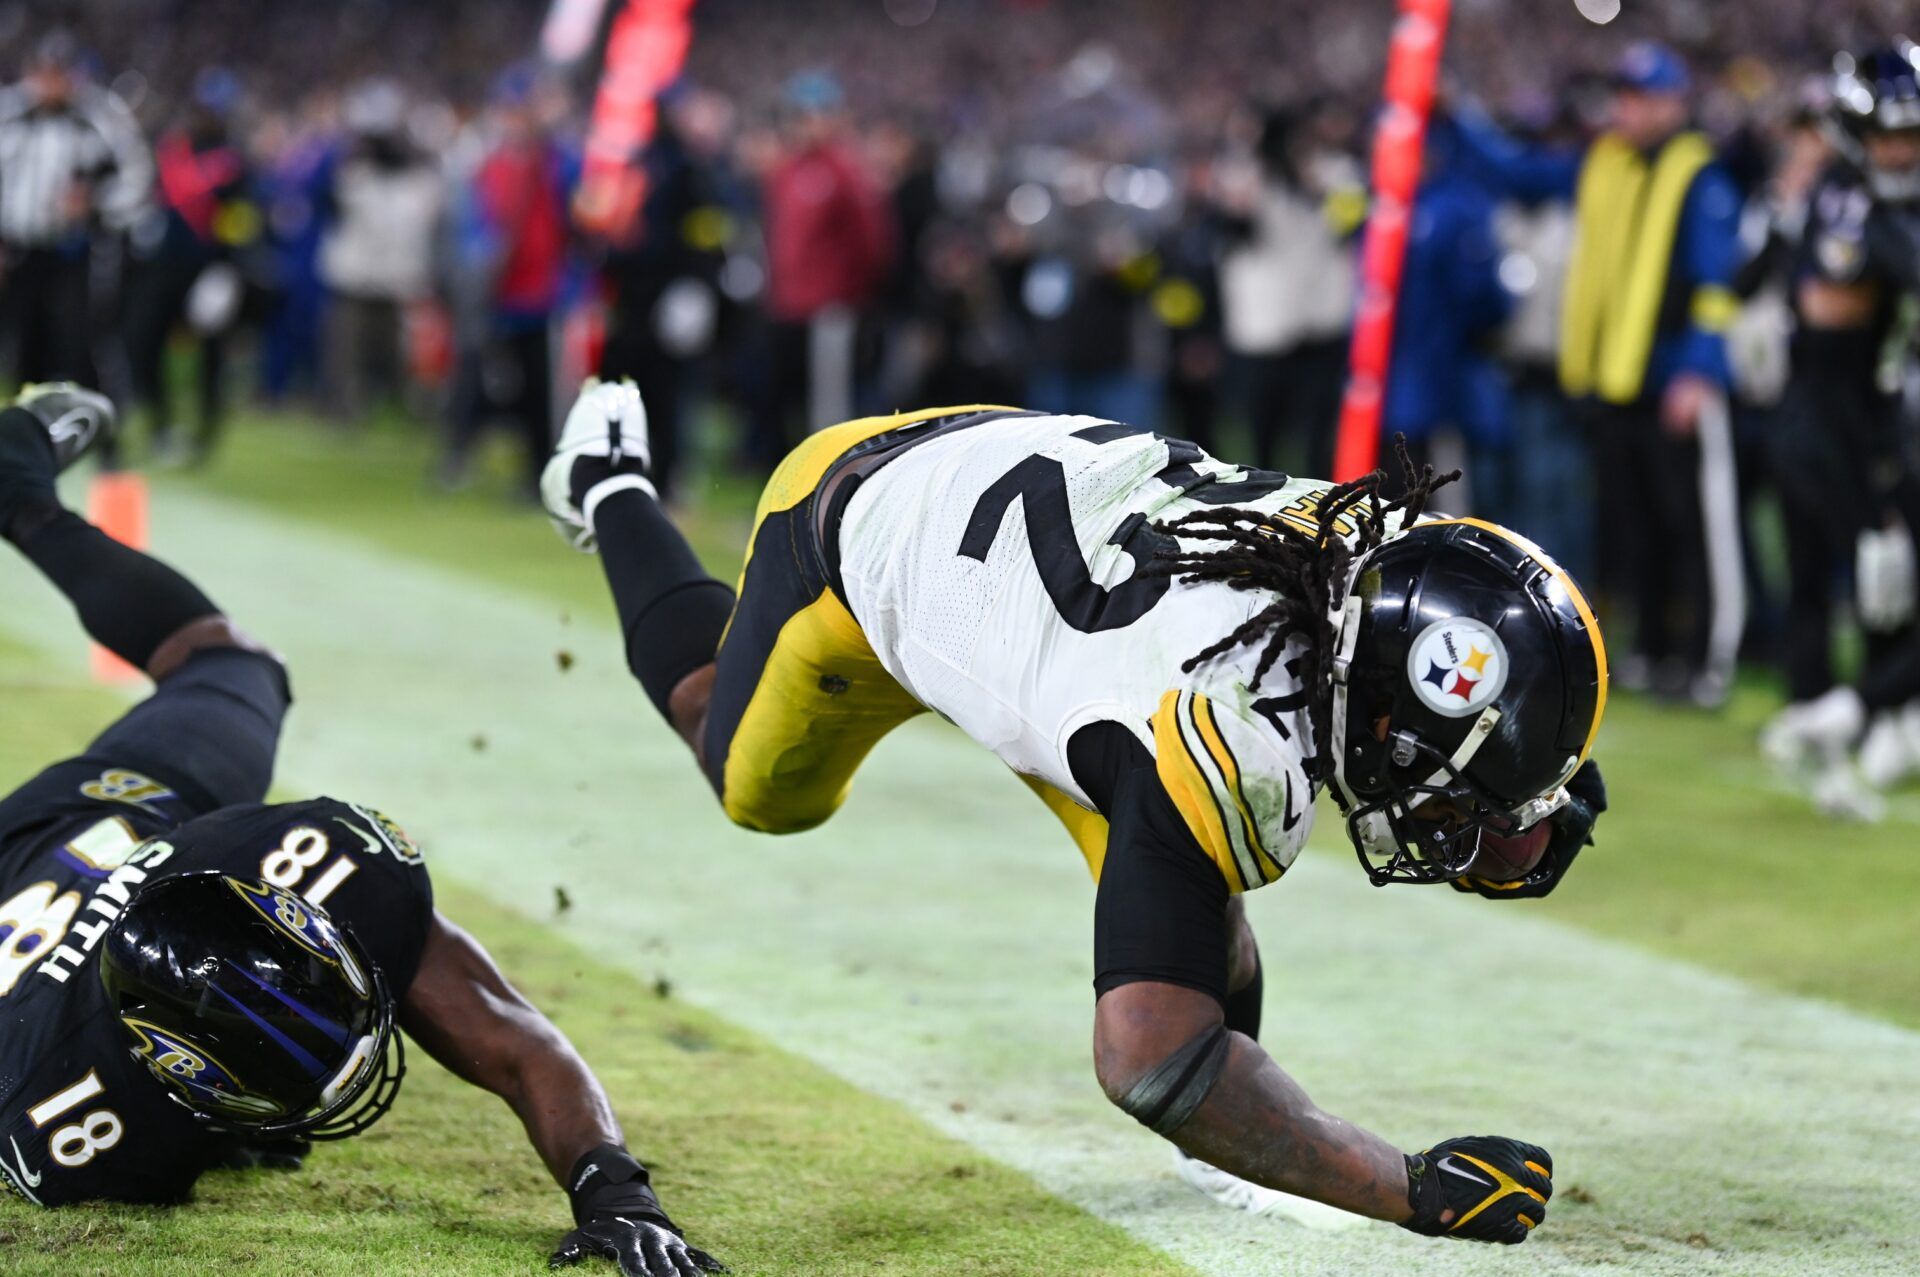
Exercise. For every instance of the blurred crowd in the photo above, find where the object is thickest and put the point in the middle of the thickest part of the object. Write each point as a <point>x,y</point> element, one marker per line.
<point>1650,302</point>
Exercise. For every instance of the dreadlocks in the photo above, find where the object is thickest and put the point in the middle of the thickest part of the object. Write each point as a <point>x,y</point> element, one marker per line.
<point>1300,570</point>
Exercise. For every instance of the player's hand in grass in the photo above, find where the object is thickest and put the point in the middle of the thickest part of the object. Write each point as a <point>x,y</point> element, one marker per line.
<point>621,1219</point>
<point>1572,829</point>
<point>641,1247</point>
<point>1484,1188</point>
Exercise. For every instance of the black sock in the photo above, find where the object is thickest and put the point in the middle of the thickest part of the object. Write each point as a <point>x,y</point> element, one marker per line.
<point>1243,1006</point>
<point>28,468</point>
<point>648,564</point>
<point>129,602</point>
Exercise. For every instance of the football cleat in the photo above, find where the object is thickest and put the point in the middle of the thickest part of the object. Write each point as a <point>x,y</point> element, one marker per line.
<point>75,417</point>
<point>1235,1193</point>
<point>1820,731</point>
<point>1890,754</point>
<point>1840,793</point>
<point>603,449</point>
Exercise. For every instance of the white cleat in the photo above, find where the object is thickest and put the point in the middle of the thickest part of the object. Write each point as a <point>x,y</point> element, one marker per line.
<point>603,449</point>
<point>1839,792</point>
<point>75,417</point>
<point>1238,1194</point>
<point>1820,731</point>
<point>1890,754</point>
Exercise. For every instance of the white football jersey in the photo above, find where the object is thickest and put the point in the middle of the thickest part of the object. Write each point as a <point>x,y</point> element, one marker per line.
<point>1001,574</point>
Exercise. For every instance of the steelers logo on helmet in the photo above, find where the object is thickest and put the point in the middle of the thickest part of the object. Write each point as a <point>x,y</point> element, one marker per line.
<point>1457,666</point>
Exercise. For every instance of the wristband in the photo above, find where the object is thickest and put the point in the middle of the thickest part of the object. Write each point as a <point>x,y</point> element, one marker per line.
<point>608,1181</point>
<point>1425,1197</point>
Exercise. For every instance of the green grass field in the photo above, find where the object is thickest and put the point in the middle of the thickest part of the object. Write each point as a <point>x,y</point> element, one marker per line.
<point>862,1050</point>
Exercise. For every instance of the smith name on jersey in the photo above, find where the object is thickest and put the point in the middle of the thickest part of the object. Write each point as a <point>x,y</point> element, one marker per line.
<point>84,1114</point>
<point>1047,618</point>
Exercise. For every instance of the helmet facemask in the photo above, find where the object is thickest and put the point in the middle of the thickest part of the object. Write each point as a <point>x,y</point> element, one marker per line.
<point>1431,830</point>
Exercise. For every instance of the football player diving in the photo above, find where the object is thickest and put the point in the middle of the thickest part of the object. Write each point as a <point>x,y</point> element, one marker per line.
<point>1175,654</point>
<point>190,978</point>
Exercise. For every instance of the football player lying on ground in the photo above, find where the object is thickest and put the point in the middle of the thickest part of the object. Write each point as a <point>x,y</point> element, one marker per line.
<point>1175,654</point>
<point>190,979</point>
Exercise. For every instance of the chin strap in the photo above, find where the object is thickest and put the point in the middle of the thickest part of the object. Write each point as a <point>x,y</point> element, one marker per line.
<point>1476,736</point>
<point>1347,626</point>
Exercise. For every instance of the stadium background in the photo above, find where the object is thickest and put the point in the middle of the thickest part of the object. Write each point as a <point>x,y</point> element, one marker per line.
<point>863,1050</point>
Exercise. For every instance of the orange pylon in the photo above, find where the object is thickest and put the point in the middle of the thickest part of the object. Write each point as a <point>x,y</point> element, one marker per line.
<point>117,505</point>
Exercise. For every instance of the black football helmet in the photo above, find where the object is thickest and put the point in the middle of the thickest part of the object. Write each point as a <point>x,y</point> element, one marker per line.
<point>257,1013</point>
<point>1468,686</point>
<point>1877,92</point>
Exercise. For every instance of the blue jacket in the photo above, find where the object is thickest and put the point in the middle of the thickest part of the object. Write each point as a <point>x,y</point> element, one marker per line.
<point>1705,250</point>
<point>1450,300</point>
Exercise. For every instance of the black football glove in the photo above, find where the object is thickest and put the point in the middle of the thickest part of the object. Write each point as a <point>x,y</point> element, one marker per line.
<point>620,1219</point>
<point>1572,829</point>
<point>1496,1189</point>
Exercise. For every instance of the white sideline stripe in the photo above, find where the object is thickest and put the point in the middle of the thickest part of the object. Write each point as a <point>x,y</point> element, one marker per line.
<point>931,945</point>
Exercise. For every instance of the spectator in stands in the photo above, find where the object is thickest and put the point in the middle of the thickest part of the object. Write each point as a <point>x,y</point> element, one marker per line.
<point>72,160</point>
<point>514,235</point>
<point>1553,464</point>
<point>1096,344</point>
<point>189,280</point>
<point>292,158</point>
<point>830,240</point>
<point>1187,302</point>
<point>1442,378</point>
<point>973,336</point>
<point>666,299</point>
<point>1643,349</point>
<point>1286,284</point>
<point>383,199</point>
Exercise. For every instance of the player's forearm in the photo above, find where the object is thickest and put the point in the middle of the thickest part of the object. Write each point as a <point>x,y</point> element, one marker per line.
<point>466,1015</point>
<point>563,1106</point>
<point>1259,1124</point>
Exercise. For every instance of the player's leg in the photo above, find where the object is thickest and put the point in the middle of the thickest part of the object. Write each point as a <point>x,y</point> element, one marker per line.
<point>781,713</point>
<point>599,491</point>
<point>209,731</point>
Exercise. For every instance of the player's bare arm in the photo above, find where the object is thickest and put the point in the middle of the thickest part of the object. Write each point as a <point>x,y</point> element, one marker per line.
<point>1255,1122</point>
<point>465,1014</point>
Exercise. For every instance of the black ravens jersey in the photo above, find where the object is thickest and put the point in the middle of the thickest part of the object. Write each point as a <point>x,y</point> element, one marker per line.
<point>81,1115</point>
<point>1852,238</point>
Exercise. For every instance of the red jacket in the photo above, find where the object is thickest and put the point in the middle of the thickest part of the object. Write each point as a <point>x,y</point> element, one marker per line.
<point>830,235</point>
<point>525,201</point>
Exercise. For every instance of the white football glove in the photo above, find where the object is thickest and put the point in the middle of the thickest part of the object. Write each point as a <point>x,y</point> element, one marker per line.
<point>1884,578</point>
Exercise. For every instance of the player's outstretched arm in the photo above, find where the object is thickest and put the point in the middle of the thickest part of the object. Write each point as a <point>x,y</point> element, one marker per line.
<point>465,1014</point>
<point>1164,1056</point>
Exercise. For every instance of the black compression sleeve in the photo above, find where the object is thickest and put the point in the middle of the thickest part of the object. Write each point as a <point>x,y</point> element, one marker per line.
<point>671,612</point>
<point>1161,912</point>
<point>129,602</point>
<point>28,468</point>
<point>1243,1005</point>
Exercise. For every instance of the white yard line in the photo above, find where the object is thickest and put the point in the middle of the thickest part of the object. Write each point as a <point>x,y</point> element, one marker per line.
<point>931,944</point>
